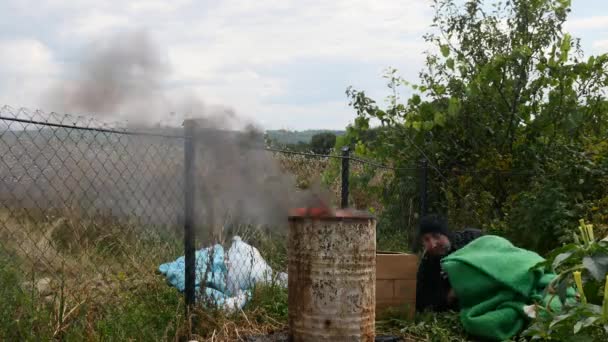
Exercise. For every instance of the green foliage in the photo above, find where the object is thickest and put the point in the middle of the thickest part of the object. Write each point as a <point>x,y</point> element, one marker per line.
<point>587,319</point>
<point>323,143</point>
<point>510,117</point>
<point>272,300</point>
<point>156,310</point>
<point>278,138</point>
<point>25,314</point>
<point>19,312</point>
<point>436,327</point>
<point>372,188</point>
<point>545,209</point>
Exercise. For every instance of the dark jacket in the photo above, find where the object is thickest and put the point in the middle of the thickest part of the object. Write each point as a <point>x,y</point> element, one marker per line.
<point>432,285</point>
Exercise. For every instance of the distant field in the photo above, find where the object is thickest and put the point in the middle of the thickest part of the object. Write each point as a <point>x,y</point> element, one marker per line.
<point>294,137</point>
<point>119,174</point>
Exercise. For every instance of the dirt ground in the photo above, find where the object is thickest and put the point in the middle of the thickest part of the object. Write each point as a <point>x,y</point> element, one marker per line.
<point>284,337</point>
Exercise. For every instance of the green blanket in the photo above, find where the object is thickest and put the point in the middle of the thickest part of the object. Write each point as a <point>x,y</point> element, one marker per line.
<point>493,282</point>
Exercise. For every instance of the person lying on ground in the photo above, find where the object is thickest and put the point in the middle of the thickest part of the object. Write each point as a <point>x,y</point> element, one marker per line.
<point>433,290</point>
<point>500,286</point>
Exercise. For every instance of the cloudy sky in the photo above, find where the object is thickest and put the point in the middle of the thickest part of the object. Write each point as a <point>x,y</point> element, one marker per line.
<point>285,64</point>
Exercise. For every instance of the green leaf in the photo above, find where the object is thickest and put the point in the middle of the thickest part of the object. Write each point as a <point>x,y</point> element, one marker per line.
<point>450,63</point>
<point>560,318</point>
<point>416,99</point>
<point>565,47</point>
<point>591,60</point>
<point>596,267</point>
<point>428,125</point>
<point>589,321</point>
<point>439,89</point>
<point>453,106</point>
<point>445,50</point>
<point>541,67</point>
<point>562,290</point>
<point>560,258</point>
<point>578,326</point>
<point>601,258</point>
<point>571,247</point>
<point>439,119</point>
<point>592,291</point>
<point>594,309</point>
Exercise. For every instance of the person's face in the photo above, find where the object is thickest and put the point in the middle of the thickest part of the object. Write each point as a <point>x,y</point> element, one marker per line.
<point>436,244</point>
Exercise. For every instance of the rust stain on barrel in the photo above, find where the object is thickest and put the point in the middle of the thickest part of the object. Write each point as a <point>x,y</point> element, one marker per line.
<point>331,265</point>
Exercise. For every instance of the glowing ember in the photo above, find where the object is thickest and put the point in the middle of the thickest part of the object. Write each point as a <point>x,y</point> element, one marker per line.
<point>326,212</point>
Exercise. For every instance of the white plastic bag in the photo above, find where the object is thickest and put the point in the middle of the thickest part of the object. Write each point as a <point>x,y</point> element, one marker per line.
<point>246,267</point>
<point>237,302</point>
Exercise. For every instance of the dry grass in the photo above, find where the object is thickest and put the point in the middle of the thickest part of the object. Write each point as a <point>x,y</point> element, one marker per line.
<point>365,182</point>
<point>215,326</point>
<point>72,272</point>
<point>75,278</point>
<point>72,275</point>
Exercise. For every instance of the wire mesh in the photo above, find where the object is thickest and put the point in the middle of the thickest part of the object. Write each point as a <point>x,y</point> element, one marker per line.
<point>87,213</point>
<point>240,237</point>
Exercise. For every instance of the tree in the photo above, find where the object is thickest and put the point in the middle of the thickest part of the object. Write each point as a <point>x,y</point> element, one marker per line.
<point>323,143</point>
<point>509,115</point>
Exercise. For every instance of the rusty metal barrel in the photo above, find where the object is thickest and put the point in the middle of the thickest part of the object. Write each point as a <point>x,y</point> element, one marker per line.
<point>332,271</point>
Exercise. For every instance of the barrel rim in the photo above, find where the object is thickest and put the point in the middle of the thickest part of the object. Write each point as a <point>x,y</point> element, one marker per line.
<point>330,218</point>
<point>338,215</point>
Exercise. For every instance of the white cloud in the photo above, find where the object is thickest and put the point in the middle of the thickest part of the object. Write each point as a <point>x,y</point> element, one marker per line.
<point>156,5</point>
<point>360,30</point>
<point>222,51</point>
<point>232,87</point>
<point>93,25</point>
<point>248,35</point>
<point>587,23</point>
<point>27,68</point>
<point>328,115</point>
<point>27,57</point>
<point>601,46</point>
<point>227,51</point>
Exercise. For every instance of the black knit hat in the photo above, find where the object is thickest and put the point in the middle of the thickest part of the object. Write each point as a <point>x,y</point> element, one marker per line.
<point>432,224</point>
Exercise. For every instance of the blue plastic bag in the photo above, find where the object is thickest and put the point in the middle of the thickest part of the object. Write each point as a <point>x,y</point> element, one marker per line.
<point>210,266</point>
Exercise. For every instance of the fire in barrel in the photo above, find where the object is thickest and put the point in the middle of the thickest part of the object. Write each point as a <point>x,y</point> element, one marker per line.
<point>332,262</point>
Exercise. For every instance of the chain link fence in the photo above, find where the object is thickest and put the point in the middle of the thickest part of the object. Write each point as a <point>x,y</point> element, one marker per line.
<point>95,224</point>
<point>87,213</point>
<point>96,219</point>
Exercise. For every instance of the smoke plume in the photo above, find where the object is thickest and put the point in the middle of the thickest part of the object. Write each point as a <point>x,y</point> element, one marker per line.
<point>123,77</point>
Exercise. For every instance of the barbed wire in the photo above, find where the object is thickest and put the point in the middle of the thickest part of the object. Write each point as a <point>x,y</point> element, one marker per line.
<point>451,171</point>
<point>92,129</point>
<point>350,157</point>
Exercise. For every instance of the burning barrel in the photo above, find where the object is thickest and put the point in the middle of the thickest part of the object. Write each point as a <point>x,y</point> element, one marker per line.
<point>332,270</point>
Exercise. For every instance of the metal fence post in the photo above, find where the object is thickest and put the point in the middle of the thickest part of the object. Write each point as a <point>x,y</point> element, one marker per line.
<point>345,175</point>
<point>189,236</point>
<point>423,187</point>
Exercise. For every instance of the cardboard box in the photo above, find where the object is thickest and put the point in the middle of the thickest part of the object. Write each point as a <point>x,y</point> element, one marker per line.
<point>396,283</point>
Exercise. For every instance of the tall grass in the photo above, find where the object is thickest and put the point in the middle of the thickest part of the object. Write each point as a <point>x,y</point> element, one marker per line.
<point>74,276</point>
<point>69,277</point>
<point>94,278</point>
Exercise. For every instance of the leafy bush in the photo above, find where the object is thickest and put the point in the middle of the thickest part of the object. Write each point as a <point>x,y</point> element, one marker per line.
<point>436,327</point>
<point>510,118</point>
<point>583,264</point>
